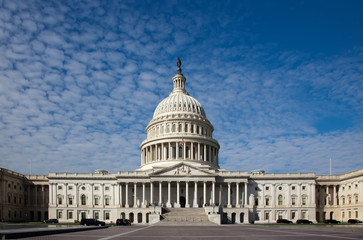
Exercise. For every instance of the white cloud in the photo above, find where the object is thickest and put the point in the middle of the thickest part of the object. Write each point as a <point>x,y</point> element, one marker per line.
<point>80,83</point>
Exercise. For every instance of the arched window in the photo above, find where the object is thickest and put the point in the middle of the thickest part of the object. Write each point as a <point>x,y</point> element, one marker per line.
<point>280,200</point>
<point>83,199</point>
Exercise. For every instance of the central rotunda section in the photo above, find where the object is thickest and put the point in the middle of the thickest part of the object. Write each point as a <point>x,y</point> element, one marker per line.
<point>179,132</point>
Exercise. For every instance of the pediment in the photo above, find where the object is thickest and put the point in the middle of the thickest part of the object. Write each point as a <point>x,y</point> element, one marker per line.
<point>181,169</point>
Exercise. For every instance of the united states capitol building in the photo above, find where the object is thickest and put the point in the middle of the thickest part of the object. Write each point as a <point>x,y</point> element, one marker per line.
<point>180,170</point>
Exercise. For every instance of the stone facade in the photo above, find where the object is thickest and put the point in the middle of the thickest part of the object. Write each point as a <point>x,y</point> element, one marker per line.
<point>23,197</point>
<point>340,196</point>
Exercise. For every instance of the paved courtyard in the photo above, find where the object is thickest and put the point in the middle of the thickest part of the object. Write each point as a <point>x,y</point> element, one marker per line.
<point>228,232</point>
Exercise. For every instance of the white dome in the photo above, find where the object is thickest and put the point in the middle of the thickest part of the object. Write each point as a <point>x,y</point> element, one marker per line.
<point>179,102</point>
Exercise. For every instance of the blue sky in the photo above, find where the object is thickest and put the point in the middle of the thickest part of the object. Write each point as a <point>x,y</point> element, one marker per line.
<point>281,81</point>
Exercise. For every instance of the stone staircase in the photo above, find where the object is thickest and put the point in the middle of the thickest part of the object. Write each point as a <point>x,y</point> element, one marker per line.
<point>185,216</point>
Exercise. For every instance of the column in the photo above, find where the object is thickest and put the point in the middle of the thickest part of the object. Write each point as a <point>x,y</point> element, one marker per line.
<point>103,195</point>
<point>205,152</point>
<point>92,194</point>
<point>143,195</point>
<point>184,150</point>
<point>151,193</point>
<point>335,195</point>
<point>187,194</point>
<point>237,195</point>
<point>77,194</point>
<point>170,151</point>
<point>327,195</point>
<point>51,193</point>
<point>177,194</point>
<point>229,196</point>
<point>162,151</point>
<point>142,157</point>
<point>195,203</point>
<point>120,192</point>
<point>191,151</point>
<point>217,160</point>
<point>158,151</point>
<point>210,153</point>
<point>213,193</point>
<point>135,195</point>
<point>287,202</point>
<point>160,194</point>
<point>176,150</point>
<point>168,204</point>
<point>116,194</point>
<point>245,200</point>
<point>127,196</point>
<point>204,193</point>
<point>198,152</point>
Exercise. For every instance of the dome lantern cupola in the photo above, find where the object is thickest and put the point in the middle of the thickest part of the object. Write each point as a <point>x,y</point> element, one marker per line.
<point>179,80</point>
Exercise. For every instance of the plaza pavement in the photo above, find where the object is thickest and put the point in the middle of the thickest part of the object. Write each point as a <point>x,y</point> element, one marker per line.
<point>226,232</point>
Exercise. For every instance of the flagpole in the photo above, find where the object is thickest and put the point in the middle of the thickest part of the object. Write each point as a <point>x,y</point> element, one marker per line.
<point>330,166</point>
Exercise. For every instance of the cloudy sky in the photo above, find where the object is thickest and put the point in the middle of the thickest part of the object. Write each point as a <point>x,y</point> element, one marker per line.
<point>281,81</point>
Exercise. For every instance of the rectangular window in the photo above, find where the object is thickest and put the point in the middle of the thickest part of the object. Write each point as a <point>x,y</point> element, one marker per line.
<point>60,214</point>
<point>356,214</point>
<point>267,201</point>
<point>70,215</point>
<point>293,187</point>
<point>356,199</point>
<point>70,200</point>
<point>267,215</point>
<point>256,201</point>
<point>107,215</point>
<point>107,201</point>
<point>96,188</point>
<point>293,201</point>
<point>349,214</point>
<point>303,215</point>
<point>293,215</point>
<point>60,200</point>
<point>304,201</point>
<point>343,214</point>
<point>97,215</point>
<point>70,187</point>
<point>59,187</point>
<point>96,201</point>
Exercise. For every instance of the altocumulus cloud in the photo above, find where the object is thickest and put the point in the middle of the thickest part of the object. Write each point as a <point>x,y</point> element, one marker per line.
<point>80,81</point>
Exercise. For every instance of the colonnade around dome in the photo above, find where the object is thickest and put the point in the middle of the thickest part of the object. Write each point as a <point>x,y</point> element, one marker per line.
<point>179,150</point>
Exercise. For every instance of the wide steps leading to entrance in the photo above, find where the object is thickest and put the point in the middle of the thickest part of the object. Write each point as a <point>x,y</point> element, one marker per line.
<point>185,216</point>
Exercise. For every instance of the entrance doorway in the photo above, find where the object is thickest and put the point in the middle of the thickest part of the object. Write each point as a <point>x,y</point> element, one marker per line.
<point>182,202</point>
